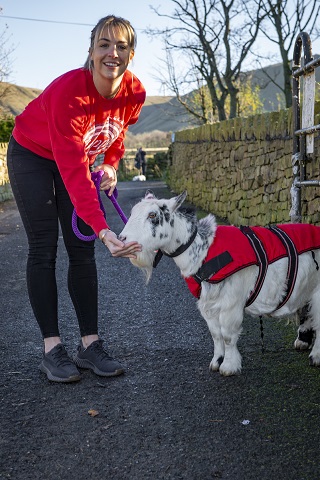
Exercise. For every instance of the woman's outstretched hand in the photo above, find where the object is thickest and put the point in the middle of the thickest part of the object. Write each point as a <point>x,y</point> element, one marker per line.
<point>118,248</point>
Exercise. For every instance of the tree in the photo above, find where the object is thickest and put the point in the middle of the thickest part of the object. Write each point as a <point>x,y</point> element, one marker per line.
<point>5,60</point>
<point>283,21</point>
<point>250,102</point>
<point>6,127</point>
<point>215,38</point>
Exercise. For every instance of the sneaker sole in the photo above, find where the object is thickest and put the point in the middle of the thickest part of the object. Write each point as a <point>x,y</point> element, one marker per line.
<point>88,365</point>
<point>52,378</point>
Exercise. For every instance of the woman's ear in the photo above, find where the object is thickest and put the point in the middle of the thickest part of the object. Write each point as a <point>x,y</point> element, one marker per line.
<point>131,55</point>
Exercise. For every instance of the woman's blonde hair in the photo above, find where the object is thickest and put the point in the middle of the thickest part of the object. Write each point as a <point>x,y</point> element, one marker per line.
<point>114,23</point>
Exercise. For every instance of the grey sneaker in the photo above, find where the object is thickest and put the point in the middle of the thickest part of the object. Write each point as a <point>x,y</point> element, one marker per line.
<point>59,367</point>
<point>98,360</point>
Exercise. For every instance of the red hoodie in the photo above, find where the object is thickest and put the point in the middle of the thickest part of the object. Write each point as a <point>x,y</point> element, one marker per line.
<point>71,123</point>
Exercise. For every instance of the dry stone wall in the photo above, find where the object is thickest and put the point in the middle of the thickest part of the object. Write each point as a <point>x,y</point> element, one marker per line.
<point>241,169</point>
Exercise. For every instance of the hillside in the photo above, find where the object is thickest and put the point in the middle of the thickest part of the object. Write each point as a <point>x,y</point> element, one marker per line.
<point>162,113</point>
<point>13,99</point>
<point>158,113</point>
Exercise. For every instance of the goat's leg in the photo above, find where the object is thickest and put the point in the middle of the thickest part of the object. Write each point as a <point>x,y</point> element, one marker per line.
<point>231,322</point>
<point>314,356</point>
<point>210,313</point>
<point>305,332</point>
<point>218,356</point>
<point>218,342</point>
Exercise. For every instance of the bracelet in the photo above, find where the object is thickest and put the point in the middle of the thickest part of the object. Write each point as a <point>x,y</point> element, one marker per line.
<point>104,234</point>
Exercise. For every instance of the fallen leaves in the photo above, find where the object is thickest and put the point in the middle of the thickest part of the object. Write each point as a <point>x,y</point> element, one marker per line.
<point>93,413</point>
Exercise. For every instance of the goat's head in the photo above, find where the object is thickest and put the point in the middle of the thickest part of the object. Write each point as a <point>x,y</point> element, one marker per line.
<point>152,223</point>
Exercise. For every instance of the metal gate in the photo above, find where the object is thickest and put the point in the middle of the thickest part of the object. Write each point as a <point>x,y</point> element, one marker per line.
<point>303,124</point>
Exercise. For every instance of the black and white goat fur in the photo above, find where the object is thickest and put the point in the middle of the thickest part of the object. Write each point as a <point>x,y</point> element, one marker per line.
<point>164,225</point>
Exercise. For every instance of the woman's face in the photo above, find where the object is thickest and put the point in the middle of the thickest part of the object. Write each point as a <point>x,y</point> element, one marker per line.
<point>111,54</point>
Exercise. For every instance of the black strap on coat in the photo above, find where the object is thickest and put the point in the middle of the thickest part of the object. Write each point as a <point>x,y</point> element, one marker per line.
<point>211,267</point>
<point>262,261</point>
<point>293,262</point>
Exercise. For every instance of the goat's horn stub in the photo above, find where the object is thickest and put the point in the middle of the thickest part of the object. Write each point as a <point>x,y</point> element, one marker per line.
<point>149,194</point>
<point>180,199</point>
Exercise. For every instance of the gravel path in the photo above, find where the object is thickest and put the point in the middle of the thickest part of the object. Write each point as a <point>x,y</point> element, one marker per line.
<point>168,417</point>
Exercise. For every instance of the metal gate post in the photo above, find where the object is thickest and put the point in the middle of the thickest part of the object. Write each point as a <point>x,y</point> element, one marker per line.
<point>302,132</point>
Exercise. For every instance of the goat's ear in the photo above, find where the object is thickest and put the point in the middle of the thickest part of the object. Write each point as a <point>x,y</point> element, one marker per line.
<point>149,195</point>
<point>178,201</point>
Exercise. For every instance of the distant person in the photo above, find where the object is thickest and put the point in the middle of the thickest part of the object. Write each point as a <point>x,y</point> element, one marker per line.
<point>143,161</point>
<point>81,114</point>
<point>137,160</point>
<point>140,161</point>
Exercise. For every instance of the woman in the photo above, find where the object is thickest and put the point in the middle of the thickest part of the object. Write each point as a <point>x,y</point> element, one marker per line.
<point>56,139</point>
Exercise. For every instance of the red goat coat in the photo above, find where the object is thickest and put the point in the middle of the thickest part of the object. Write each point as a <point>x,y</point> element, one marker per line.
<point>231,239</point>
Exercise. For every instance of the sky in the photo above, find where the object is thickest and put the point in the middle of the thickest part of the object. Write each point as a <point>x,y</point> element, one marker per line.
<point>56,38</point>
<point>45,50</point>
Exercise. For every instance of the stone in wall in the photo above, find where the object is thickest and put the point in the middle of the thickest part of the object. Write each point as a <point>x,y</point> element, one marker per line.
<point>241,169</point>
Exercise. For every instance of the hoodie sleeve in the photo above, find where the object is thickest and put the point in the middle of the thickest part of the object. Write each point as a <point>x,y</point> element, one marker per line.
<point>67,122</point>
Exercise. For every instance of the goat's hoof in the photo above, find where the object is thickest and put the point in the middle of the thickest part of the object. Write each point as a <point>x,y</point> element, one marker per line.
<point>215,364</point>
<point>229,371</point>
<point>314,360</point>
<point>214,367</point>
<point>300,345</point>
<point>304,339</point>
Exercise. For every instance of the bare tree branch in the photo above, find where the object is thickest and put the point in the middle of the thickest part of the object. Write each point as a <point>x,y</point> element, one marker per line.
<point>5,60</point>
<point>215,37</point>
<point>287,19</point>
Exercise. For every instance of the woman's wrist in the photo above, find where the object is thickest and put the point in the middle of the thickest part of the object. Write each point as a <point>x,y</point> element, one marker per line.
<point>103,233</point>
<point>114,171</point>
<point>111,166</point>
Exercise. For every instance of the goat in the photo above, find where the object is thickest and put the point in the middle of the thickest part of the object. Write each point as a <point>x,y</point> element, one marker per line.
<point>162,225</point>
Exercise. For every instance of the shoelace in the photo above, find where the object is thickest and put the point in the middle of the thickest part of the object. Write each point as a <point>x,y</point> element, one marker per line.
<point>61,357</point>
<point>100,352</point>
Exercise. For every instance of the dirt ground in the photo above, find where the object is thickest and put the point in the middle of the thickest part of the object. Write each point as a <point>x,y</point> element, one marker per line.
<point>168,417</point>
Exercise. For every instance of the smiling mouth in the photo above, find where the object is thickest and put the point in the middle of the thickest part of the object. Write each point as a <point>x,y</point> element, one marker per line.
<point>110,64</point>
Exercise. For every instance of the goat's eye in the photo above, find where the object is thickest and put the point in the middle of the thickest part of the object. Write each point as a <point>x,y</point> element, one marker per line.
<point>152,215</point>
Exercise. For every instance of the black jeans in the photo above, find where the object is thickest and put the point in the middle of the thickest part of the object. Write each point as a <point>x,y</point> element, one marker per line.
<point>43,203</point>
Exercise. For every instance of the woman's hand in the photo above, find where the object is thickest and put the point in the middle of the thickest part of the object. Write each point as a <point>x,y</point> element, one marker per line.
<point>109,178</point>
<point>118,248</point>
